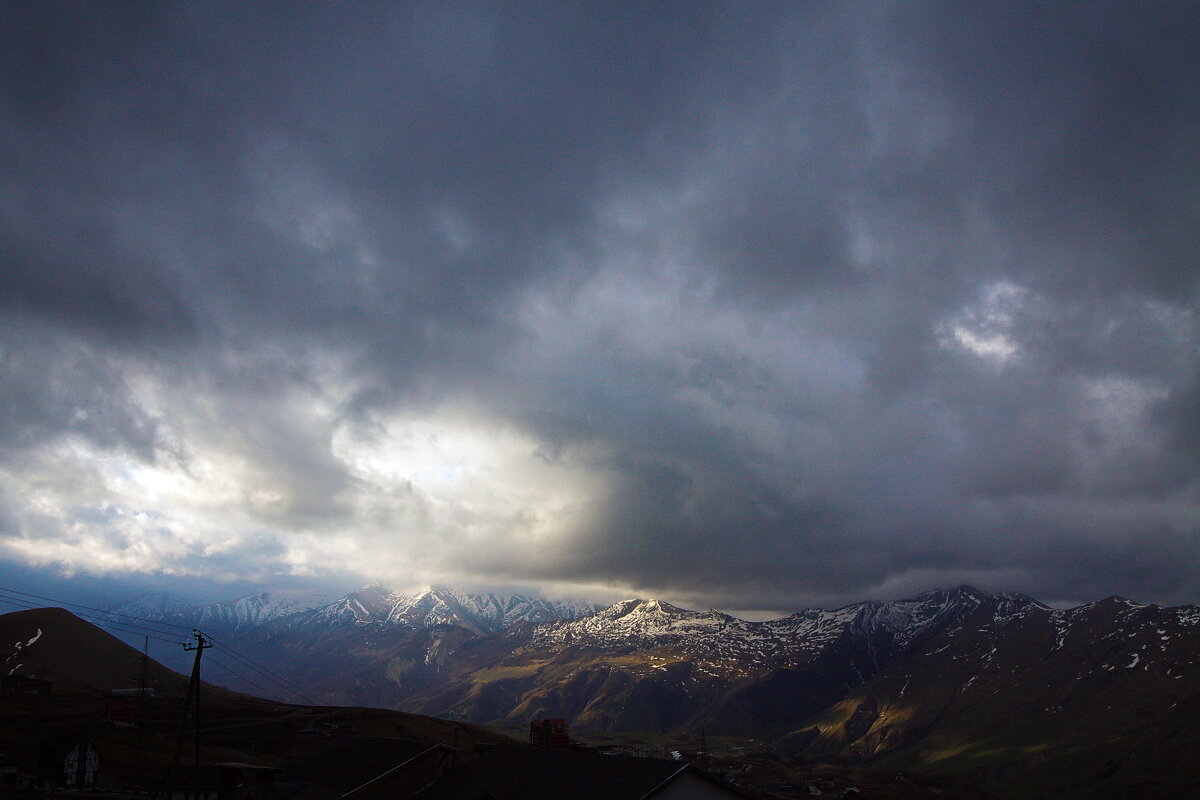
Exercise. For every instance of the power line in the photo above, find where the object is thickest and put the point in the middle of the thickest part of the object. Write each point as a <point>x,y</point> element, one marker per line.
<point>18,603</point>
<point>97,610</point>
<point>266,673</point>
<point>263,672</point>
<point>98,618</point>
<point>267,693</point>
<point>87,612</point>
<point>102,618</point>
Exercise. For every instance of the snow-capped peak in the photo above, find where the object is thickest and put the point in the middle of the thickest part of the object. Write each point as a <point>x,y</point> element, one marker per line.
<point>376,605</point>
<point>221,618</point>
<point>643,607</point>
<point>645,625</point>
<point>151,605</point>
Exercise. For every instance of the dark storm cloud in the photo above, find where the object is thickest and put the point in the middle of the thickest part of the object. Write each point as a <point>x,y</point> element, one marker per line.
<point>805,303</point>
<point>53,386</point>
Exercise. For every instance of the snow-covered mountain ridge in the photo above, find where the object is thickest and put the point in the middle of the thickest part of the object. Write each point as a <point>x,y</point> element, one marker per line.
<point>374,606</point>
<point>648,665</point>
<point>222,618</point>
<point>378,606</point>
<point>653,624</point>
<point>1063,696</point>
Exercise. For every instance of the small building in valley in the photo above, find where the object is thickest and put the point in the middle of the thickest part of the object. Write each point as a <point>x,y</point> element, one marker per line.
<point>24,684</point>
<point>550,734</point>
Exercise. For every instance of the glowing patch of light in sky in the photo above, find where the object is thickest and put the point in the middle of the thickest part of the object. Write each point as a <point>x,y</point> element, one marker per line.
<point>985,328</point>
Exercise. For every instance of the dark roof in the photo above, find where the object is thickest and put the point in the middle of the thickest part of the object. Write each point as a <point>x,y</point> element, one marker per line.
<point>343,763</point>
<point>529,773</point>
<point>185,777</point>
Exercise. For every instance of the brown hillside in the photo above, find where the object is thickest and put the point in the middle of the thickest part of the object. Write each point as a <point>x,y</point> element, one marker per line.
<point>55,645</point>
<point>83,664</point>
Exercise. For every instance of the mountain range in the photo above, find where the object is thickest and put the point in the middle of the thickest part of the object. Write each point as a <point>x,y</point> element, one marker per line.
<point>648,665</point>
<point>994,688</point>
<point>374,606</point>
<point>1098,701</point>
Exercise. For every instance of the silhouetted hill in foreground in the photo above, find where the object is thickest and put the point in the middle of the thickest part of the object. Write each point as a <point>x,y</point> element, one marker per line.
<point>55,645</point>
<point>80,665</point>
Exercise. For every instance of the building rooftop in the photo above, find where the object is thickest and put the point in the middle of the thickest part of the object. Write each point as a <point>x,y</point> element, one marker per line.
<point>525,773</point>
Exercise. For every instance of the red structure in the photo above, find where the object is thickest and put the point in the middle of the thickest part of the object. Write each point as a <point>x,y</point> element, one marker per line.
<point>551,734</point>
<point>124,709</point>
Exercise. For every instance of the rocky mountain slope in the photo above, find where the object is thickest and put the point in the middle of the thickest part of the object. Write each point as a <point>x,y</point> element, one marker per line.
<point>998,690</point>
<point>647,665</point>
<point>1099,699</point>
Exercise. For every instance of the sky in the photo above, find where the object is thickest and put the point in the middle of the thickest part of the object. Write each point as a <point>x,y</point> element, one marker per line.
<point>746,305</point>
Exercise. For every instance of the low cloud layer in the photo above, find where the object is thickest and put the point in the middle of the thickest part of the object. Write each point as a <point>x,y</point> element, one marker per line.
<point>753,306</point>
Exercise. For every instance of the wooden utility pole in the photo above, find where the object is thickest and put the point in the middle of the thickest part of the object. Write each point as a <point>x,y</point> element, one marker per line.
<point>194,690</point>
<point>202,644</point>
<point>143,688</point>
